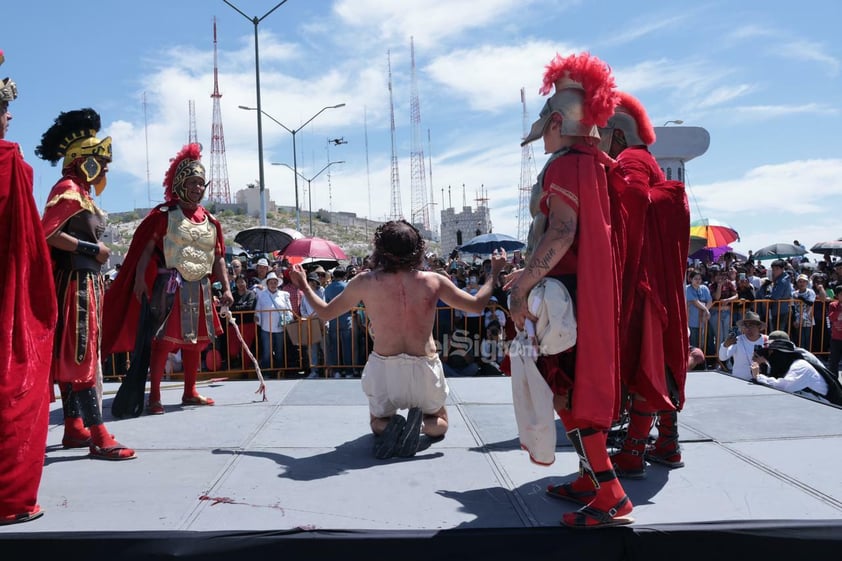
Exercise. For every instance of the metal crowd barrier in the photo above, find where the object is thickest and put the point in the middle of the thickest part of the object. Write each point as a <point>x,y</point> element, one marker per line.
<point>779,315</point>
<point>453,331</point>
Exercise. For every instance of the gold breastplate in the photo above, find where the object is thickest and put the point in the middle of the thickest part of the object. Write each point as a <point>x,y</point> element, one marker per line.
<point>189,247</point>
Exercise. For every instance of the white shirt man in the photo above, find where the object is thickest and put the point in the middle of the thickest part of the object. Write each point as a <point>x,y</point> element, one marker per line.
<point>741,347</point>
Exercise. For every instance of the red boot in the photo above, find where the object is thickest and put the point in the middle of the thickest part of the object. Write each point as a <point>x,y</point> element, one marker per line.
<point>610,506</point>
<point>75,433</point>
<point>666,451</point>
<point>582,490</point>
<point>628,462</point>
<point>104,447</point>
<point>191,396</point>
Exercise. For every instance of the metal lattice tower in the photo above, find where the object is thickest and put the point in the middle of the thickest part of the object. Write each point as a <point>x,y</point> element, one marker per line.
<point>418,180</point>
<point>433,221</point>
<point>527,178</point>
<point>396,208</point>
<point>218,191</point>
<point>192,135</point>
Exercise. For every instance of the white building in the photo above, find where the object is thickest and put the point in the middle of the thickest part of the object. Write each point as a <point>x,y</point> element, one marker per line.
<point>458,228</point>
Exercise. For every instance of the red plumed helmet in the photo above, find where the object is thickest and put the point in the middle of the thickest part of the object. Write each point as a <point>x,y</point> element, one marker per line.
<point>630,117</point>
<point>584,98</point>
<point>187,163</point>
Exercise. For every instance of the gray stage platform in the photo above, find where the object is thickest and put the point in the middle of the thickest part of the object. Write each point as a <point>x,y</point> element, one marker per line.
<point>303,460</point>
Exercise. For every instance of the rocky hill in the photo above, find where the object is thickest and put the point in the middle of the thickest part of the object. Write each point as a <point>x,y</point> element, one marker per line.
<point>354,239</point>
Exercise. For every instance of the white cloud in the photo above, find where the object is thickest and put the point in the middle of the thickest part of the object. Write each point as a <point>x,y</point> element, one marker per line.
<point>429,21</point>
<point>796,188</point>
<point>724,94</point>
<point>489,77</point>
<point>775,203</point>
<point>642,27</point>
<point>811,51</point>
<point>766,112</point>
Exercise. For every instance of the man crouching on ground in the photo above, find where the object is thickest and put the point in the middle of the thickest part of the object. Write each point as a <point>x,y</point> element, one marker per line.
<point>403,371</point>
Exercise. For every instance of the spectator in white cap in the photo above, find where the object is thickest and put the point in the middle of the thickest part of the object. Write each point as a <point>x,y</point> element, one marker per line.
<point>273,312</point>
<point>262,268</point>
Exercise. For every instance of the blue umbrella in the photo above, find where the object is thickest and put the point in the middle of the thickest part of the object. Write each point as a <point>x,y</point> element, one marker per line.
<point>486,243</point>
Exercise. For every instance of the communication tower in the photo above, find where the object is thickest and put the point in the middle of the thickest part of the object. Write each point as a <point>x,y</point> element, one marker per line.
<point>192,135</point>
<point>218,178</point>
<point>418,180</point>
<point>396,210</point>
<point>527,178</point>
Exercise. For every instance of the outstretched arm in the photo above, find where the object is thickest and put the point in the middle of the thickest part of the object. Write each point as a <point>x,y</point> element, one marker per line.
<point>457,298</point>
<point>347,299</point>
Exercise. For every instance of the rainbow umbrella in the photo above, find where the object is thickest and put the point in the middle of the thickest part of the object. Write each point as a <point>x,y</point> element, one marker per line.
<point>716,234</point>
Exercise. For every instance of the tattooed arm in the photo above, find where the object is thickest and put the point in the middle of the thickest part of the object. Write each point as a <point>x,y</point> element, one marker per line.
<point>557,239</point>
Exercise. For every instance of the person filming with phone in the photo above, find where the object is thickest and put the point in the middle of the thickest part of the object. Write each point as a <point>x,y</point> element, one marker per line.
<point>740,344</point>
<point>788,370</point>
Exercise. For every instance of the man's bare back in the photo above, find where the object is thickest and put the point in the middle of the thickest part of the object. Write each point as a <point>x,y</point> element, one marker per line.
<point>402,309</point>
<point>401,306</point>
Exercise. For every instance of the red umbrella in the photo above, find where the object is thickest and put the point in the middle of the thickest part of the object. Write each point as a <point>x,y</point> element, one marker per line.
<point>316,248</point>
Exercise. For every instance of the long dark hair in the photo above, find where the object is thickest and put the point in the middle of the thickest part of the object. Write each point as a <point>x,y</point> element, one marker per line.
<point>398,246</point>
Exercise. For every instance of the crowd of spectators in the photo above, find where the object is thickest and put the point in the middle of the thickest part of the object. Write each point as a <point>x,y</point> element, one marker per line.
<point>795,296</point>
<point>470,344</point>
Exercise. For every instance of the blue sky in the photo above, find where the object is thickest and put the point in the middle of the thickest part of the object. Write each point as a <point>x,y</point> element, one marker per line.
<point>760,76</point>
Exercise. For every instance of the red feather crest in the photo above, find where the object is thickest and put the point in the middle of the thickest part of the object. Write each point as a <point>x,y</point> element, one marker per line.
<point>596,80</point>
<point>190,151</point>
<point>633,107</point>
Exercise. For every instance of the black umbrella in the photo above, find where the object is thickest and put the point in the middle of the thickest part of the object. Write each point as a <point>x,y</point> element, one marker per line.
<point>779,251</point>
<point>486,243</point>
<point>833,248</point>
<point>266,239</point>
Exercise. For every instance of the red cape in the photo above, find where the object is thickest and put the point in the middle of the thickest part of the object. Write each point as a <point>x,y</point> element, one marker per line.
<point>596,389</point>
<point>65,207</point>
<point>121,310</point>
<point>28,315</point>
<point>656,226</point>
<point>668,228</point>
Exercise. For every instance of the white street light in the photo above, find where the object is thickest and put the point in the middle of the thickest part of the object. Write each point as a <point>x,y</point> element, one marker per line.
<point>256,20</point>
<point>293,132</point>
<point>309,188</point>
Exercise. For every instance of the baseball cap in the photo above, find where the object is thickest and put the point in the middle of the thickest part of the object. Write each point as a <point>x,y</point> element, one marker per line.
<point>263,262</point>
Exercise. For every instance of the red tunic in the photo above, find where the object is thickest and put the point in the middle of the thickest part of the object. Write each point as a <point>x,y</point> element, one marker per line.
<point>579,179</point>
<point>28,316</point>
<point>656,226</point>
<point>122,310</point>
<point>76,353</point>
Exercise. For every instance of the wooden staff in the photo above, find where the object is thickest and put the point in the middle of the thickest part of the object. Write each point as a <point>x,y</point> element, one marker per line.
<point>225,313</point>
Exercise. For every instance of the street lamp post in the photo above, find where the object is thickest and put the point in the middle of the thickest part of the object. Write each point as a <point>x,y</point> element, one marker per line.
<point>293,132</point>
<point>261,178</point>
<point>676,121</point>
<point>309,187</point>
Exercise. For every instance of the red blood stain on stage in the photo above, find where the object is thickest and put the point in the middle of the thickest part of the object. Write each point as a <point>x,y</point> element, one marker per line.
<point>230,501</point>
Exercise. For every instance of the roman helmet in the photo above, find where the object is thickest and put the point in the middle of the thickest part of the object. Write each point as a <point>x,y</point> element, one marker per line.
<point>631,118</point>
<point>8,89</point>
<point>584,96</point>
<point>73,137</point>
<point>186,164</point>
